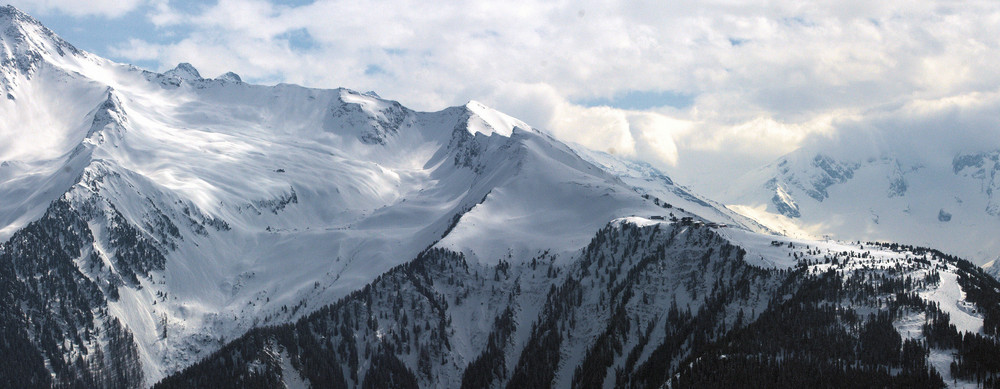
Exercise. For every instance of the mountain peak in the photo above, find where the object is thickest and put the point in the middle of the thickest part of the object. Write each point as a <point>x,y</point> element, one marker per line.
<point>488,121</point>
<point>229,76</point>
<point>9,12</point>
<point>26,41</point>
<point>184,71</point>
<point>15,24</point>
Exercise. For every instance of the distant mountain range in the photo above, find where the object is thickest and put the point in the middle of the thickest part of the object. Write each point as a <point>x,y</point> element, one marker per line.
<point>950,203</point>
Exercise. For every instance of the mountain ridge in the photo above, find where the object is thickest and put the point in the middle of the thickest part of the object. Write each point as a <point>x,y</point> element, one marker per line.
<point>169,228</point>
<point>202,198</point>
<point>937,202</point>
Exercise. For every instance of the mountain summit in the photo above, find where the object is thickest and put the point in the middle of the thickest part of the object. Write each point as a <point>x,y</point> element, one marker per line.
<point>26,42</point>
<point>184,71</point>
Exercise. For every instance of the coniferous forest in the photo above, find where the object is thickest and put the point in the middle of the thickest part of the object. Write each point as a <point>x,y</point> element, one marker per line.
<point>644,307</point>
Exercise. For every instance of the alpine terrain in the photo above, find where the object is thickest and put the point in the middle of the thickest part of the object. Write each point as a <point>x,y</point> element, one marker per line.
<point>171,230</point>
<point>949,199</point>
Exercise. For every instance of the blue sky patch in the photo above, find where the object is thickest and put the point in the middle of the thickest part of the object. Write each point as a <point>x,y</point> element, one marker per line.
<point>97,33</point>
<point>374,70</point>
<point>299,39</point>
<point>642,100</point>
<point>293,3</point>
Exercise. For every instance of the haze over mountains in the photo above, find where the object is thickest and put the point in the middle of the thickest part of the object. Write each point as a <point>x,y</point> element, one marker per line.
<point>940,194</point>
<point>207,231</point>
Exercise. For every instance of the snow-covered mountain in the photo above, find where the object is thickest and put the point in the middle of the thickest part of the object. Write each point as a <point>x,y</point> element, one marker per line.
<point>948,201</point>
<point>645,304</point>
<point>208,206</point>
<point>286,236</point>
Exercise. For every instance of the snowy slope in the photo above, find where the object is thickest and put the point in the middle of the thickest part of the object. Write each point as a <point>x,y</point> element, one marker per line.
<point>171,214</point>
<point>942,201</point>
<point>648,180</point>
<point>641,301</point>
<point>268,202</point>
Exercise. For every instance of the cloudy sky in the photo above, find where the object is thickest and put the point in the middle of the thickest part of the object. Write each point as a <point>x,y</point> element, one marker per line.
<point>711,89</point>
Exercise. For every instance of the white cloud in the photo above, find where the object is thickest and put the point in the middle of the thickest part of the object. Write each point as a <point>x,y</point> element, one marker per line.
<point>107,8</point>
<point>634,134</point>
<point>137,50</point>
<point>922,130</point>
<point>766,79</point>
<point>655,134</point>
